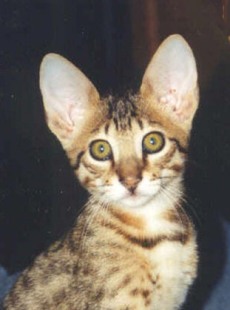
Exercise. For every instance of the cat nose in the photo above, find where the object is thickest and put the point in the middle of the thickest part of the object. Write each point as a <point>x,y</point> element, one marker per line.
<point>130,183</point>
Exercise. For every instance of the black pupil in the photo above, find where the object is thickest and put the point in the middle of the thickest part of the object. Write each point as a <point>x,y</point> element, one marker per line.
<point>152,141</point>
<point>101,148</point>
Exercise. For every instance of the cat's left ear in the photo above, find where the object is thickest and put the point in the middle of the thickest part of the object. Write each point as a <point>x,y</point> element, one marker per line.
<point>68,96</point>
<point>170,81</point>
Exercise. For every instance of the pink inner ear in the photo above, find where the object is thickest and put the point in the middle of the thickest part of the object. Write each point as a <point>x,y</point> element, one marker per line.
<point>171,77</point>
<point>171,98</point>
<point>180,105</point>
<point>69,115</point>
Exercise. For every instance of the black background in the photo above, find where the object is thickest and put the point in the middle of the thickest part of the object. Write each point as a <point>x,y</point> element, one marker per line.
<point>39,197</point>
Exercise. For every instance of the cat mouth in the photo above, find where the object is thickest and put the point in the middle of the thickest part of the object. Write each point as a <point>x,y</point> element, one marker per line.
<point>135,197</point>
<point>132,197</point>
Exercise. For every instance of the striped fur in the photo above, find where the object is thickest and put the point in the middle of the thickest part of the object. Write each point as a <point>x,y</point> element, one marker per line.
<point>133,247</point>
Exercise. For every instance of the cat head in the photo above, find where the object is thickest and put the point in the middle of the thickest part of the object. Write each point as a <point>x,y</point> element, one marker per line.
<point>125,151</point>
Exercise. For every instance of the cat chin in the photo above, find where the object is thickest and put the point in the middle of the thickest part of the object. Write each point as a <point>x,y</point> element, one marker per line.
<point>135,202</point>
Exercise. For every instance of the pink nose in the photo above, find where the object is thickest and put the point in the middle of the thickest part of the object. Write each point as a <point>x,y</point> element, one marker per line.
<point>130,183</point>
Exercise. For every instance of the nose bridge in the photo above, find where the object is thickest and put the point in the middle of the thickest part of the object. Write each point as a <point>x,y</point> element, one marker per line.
<point>130,172</point>
<point>129,166</point>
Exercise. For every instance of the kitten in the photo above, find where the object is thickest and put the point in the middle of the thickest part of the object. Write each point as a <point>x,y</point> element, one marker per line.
<point>133,246</point>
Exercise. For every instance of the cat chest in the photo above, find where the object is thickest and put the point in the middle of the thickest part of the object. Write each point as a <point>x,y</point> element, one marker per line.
<point>166,249</point>
<point>141,275</point>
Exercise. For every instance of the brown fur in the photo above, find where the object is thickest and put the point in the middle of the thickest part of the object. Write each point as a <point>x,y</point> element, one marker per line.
<point>133,246</point>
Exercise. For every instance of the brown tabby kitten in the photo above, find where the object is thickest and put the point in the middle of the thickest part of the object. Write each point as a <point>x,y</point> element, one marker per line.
<point>133,246</point>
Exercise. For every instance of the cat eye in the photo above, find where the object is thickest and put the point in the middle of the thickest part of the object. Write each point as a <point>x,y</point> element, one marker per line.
<point>100,150</point>
<point>153,142</point>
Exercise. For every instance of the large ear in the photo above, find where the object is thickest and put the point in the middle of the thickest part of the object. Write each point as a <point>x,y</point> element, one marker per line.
<point>67,96</point>
<point>170,81</point>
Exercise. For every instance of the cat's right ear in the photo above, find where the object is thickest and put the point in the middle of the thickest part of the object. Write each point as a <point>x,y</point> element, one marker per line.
<point>170,81</point>
<point>67,95</point>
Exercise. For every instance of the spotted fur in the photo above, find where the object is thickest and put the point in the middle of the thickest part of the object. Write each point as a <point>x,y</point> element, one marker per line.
<point>133,246</point>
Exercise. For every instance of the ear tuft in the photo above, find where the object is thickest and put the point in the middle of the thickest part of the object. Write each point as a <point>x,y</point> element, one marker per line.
<point>67,95</point>
<point>171,79</point>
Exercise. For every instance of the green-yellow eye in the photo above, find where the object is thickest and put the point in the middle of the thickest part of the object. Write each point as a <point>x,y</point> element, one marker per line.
<point>153,142</point>
<point>100,150</point>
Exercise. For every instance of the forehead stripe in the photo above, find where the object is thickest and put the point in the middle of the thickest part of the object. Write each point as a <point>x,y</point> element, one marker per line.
<point>140,123</point>
<point>107,128</point>
<point>121,111</point>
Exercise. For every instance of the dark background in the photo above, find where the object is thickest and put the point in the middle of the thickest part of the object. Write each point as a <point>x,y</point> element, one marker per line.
<point>111,41</point>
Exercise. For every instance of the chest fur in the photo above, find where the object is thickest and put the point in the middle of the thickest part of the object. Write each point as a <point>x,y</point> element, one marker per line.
<point>138,269</point>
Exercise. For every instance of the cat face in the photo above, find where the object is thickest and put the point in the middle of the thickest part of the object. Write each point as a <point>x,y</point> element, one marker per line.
<point>130,159</point>
<point>125,151</point>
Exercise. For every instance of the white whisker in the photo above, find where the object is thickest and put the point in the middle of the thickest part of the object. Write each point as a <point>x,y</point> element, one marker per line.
<point>175,192</point>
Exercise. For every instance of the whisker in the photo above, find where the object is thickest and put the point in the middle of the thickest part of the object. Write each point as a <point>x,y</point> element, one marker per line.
<point>191,208</point>
<point>168,177</point>
<point>168,194</point>
<point>98,204</point>
<point>89,220</point>
<point>185,200</point>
